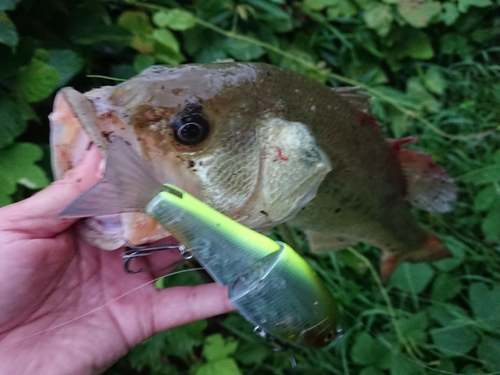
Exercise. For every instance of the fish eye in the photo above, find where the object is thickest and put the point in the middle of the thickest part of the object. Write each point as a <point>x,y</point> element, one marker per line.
<point>191,129</point>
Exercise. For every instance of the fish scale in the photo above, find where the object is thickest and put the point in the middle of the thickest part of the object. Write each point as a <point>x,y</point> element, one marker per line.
<point>357,190</point>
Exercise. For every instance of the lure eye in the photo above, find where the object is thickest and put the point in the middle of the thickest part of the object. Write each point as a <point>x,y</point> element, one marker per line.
<point>330,336</point>
<point>190,130</point>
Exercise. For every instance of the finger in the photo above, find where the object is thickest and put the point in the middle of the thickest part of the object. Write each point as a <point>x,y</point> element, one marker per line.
<point>37,215</point>
<point>176,306</point>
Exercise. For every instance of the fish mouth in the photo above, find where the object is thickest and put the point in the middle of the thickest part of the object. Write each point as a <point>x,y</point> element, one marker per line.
<point>75,126</point>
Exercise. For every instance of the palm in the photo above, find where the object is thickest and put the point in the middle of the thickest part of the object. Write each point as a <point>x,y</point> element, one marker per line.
<point>67,307</point>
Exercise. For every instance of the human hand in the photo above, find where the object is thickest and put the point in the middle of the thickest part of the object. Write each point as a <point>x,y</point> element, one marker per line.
<point>66,307</point>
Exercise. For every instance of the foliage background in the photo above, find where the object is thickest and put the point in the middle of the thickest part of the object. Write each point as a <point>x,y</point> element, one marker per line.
<point>432,69</point>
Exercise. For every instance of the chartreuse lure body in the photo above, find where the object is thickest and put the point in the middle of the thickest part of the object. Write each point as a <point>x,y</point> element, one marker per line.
<point>269,283</point>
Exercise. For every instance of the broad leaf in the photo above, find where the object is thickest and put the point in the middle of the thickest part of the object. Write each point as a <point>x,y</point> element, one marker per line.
<point>243,51</point>
<point>11,122</point>
<point>175,19</point>
<point>226,366</point>
<point>412,278</point>
<point>379,18</point>
<point>17,166</point>
<point>66,62</point>
<point>366,350</point>
<point>445,287</point>
<point>37,81</point>
<point>485,303</point>
<point>8,32</point>
<point>8,4</point>
<point>217,347</point>
<point>418,14</point>
<point>454,341</point>
<point>488,350</point>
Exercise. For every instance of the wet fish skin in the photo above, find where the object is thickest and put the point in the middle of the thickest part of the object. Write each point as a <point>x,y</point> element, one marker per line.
<point>281,147</point>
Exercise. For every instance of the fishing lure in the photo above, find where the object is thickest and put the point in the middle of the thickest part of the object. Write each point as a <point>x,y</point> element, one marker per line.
<point>269,283</point>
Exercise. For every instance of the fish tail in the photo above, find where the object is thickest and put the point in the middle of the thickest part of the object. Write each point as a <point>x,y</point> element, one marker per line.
<point>429,187</point>
<point>128,185</point>
<point>433,249</point>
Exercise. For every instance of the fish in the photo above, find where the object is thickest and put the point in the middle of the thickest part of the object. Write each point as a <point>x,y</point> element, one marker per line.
<point>263,145</point>
<point>269,283</point>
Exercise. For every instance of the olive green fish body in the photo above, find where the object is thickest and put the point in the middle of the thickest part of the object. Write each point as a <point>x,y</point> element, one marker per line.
<point>363,196</point>
<point>264,145</point>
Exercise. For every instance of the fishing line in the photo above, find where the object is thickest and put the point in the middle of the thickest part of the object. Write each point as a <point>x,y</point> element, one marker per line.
<point>104,305</point>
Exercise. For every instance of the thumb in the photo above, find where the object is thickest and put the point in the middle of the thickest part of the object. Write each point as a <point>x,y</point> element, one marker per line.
<point>37,215</point>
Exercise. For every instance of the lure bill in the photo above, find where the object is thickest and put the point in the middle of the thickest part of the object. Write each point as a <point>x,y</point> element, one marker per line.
<point>269,283</point>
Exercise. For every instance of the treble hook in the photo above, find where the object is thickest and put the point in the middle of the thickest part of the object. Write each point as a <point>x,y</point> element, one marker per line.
<point>277,347</point>
<point>132,251</point>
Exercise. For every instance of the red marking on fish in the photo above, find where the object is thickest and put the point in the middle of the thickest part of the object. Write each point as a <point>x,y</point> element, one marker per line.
<point>280,154</point>
<point>367,119</point>
<point>396,144</point>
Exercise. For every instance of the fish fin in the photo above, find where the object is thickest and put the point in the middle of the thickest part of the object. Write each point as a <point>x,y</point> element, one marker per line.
<point>128,185</point>
<point>84,110</point>
<point>360,103</point>
<point>432,250</point>
<point>319,242</point>
<point>429,187</point>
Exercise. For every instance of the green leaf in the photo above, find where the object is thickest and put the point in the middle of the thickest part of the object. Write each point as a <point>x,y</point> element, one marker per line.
<point>182,340</point>
<point>414,328</point>
<point>490,224</point>
<point>412,278</point>
<point>450,14</point>
<point>243,51</point>
<point>454,341</point>
<point>175,19</point>
<point>17,166</point>
<point>483,175</point>
<point>136,22</point>
<point>447,314</point>
<point>418,14</point>
<point>488,350</point>
<point>463,5</point>
<point>454,43</point>
<point>485,198</point>
<point>366,350</point>
<point>435,81</point>
<point>343,8</point>
<point>249,353</point>
<point>445,287</point>
<point>485,304</point>
<point>423,100</point>
<point>94,34</point>
<point>226,366</point>
<point>8,33</point>
<point>412,43</point>
<point>166,38</point>
<point>67,64</point>
<point>320,4</point>
<point>149,353</point>
<point>402,365</point>
<point>379,18</point>
<point>37,81</point>
<point>458,249</point>
<point>12,125</point>
<point>8,4</point>
<point>143,61</point>
<point>217,347</point>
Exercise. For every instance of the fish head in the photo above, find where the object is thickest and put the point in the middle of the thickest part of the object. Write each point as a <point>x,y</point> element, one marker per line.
<point>203,128</point>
